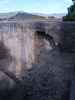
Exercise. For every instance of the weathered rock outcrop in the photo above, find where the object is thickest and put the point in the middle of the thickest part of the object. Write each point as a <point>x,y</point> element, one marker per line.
<point>51,71</point>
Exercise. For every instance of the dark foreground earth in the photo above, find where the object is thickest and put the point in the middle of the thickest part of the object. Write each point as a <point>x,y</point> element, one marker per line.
<point>49,80</point>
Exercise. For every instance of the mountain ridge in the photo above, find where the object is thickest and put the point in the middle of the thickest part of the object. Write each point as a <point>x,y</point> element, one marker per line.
<point>25,15</point>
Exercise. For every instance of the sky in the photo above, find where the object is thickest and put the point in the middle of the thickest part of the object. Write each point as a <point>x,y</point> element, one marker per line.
<point>35,6</point>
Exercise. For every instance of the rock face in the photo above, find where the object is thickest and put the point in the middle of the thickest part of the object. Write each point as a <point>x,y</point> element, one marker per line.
<point>68,31</point>
<point>19,38</point>
<point>19,41</point>
<point>51,77</point>
<point>46,71</point>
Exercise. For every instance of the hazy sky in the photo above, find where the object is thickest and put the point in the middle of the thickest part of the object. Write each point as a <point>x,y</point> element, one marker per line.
<point>35,6</point>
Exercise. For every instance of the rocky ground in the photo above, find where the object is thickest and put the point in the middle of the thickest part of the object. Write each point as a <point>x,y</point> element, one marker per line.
<point>50,79</point>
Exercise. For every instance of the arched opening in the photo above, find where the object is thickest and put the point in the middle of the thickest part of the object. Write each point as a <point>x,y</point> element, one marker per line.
<point>42,43</point>
<point>44,35</point>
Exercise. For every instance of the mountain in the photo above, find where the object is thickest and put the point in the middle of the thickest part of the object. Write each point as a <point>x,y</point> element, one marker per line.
<point>57,15</point>
<point>21,16</point>
<point>7,15</point>
<point>24,16</point>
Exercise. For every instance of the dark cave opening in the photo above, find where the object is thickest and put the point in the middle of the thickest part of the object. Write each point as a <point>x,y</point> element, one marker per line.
<point>44,35</point>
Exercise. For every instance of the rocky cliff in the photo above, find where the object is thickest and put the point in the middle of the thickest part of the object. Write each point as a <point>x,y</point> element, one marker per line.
<point>47,72</point>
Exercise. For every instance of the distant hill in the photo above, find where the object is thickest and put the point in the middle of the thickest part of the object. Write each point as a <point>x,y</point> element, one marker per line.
<point>57,15</point>
<point>21,16</point>
<point>7,15</point>
<point>24,16</point>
